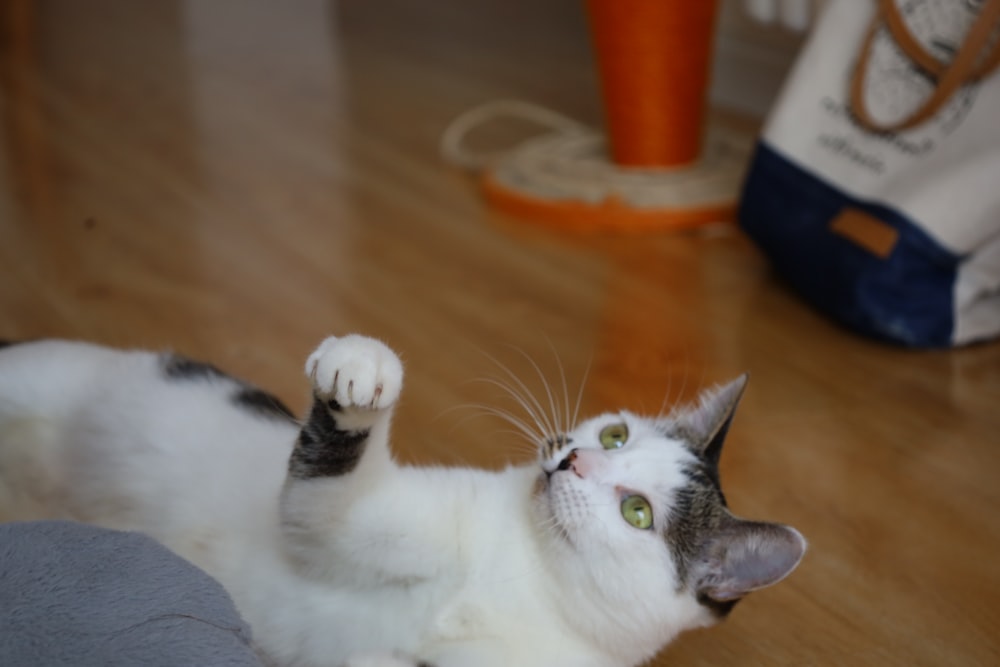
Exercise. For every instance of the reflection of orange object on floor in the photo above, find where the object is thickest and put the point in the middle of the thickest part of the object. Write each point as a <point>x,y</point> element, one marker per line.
<point>649,354</point>
<point>654,58</point>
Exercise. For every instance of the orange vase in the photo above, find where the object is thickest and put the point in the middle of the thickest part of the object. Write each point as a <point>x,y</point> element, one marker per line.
<point>653,58</point>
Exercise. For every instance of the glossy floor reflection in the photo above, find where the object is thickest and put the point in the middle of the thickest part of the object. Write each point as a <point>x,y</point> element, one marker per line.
<point>236,179</point>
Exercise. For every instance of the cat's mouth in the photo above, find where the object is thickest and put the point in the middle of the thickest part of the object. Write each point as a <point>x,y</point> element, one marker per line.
<point>549,468</point>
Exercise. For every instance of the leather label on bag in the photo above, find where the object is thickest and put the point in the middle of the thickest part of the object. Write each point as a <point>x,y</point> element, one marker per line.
<point>867,231</point>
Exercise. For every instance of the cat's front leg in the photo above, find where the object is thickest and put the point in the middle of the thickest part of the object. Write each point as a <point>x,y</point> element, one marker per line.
<point>342,450</point>
<point>356,383</point>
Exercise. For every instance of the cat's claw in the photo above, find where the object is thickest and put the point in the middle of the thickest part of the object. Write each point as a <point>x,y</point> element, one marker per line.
<point>356,371</point>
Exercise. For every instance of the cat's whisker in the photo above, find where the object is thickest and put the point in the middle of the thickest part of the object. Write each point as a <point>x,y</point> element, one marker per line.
<point>549,524</point>
<point>520,393</point>
<point>479,411</point>
<point>521,442</point>
<point>701,378</point>
<point>567,423</point>
<point>687,376</point>
<point>548,390</point>
<point>456,408</point>
<point>553,528</point>
<point>579,394</point>
<point>524,443</point>
<point>684,380</point>
<point>667,406</point>
<point>522,427</point>
<point>535,433</point>
<point>666,397</point>
<point>531,407</point>
<point>524,395</point>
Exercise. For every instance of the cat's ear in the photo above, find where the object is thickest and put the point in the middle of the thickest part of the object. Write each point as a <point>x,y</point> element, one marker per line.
<point>706,424</point>
<point>745,556</point>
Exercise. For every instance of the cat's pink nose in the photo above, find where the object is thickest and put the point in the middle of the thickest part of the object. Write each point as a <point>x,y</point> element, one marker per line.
<point>585,462</point>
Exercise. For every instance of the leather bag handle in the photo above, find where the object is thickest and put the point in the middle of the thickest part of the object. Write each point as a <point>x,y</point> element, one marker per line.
<point>971,63</point>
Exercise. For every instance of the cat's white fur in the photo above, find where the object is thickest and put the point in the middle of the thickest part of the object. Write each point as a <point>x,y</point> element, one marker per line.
<point>458,567</point>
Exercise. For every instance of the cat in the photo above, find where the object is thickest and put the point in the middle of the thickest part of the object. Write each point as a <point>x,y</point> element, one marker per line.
<point>597,555</point>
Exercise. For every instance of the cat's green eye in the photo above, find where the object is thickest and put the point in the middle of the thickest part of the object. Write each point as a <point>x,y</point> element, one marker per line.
<point>637,511</point>
<point>614,436</point>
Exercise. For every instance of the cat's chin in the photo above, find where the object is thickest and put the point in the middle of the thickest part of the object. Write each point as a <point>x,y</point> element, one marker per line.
<point>545,516</point>
<point>541,485</point>
<point>558,519</point>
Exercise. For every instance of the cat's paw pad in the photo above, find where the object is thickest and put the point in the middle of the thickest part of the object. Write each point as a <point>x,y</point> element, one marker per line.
<point>356,371</point>
<point>384,660</point>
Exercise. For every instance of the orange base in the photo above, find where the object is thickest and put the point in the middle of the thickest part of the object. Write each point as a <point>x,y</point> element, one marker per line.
<point>610,215</point>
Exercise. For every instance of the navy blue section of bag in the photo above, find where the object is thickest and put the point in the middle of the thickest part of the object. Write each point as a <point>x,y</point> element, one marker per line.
<point>906,297</point>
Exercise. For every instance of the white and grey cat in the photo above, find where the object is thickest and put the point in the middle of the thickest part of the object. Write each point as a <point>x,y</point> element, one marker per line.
<point>597,555</point>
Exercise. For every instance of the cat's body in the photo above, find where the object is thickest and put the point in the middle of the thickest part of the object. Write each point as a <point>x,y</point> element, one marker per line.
<point>596,557</point>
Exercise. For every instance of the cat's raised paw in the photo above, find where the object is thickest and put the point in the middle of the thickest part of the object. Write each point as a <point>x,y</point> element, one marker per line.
<point>356,371</point>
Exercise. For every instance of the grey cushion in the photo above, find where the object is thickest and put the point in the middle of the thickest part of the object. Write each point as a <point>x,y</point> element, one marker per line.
<point>73,594</point>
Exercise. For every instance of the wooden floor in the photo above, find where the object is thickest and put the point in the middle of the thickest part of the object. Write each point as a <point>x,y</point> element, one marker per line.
<point>236,179</point>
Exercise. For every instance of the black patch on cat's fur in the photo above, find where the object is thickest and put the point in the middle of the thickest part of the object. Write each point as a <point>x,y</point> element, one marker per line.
<point>177,367</point>
<point>262,403</point>
<point>323,449</point>
<point>254,400</point>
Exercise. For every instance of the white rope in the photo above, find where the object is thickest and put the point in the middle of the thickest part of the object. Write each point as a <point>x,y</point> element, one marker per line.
<point>453,141</point>
<point>570,162</point>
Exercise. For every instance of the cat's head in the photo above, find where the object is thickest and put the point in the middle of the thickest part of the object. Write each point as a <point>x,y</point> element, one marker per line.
<point>637,525</point>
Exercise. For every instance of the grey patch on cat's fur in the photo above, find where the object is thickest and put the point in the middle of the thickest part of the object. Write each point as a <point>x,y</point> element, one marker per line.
<point>698,510</point>
<point>262,403</point>
<point>323,449</point>
<point>699,507</point>
<point>254,400</point>
<point>178,367</point>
